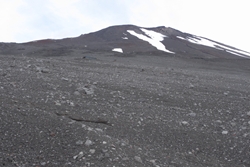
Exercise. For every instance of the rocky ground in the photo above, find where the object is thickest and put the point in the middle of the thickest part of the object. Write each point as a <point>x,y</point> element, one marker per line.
<point>106,109</point>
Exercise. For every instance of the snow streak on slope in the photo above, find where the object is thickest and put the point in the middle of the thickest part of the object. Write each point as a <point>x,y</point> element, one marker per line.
<point>154,38</point>
<point>117,50</point>
<point>206,42</point>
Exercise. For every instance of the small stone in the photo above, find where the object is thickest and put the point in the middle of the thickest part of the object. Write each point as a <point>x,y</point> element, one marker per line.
<point>248,113</point>
<point>90,129</point>
<point>138,159</point>
<point>185,123</point>
<point>104,150</point>
<point>64,79</point>
<point>88,143</point>
<point>125,159</point>
<point>79,142</point>
<point>57,103</point>
<point>45,70</point>
<point>224,132</point>
<point>249,122</point>
<point>192,114</point>
<point>43,163</point>
<point>106,155</point>
<point>88,91</point>
<point>123,144</point>
<point>218,121</point>
<point>92,151</point>
<point>71,104</point>
<point>153,161</point>
<point>76,93</point>
<point>191,86</point>
<point>80,155</point>
<point>98,130</point>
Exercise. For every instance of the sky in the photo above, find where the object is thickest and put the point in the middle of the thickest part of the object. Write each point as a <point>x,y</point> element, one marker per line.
<point>224,21</point>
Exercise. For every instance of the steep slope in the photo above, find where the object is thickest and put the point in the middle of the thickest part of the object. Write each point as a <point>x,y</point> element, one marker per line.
<point>133,39</point>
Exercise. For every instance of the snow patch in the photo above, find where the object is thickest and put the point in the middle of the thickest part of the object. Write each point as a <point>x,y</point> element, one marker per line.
<point>124,37</point>
<point>154,38</point>
<point>209,43</point>
<point>180,37</point>
<point>117,50</point>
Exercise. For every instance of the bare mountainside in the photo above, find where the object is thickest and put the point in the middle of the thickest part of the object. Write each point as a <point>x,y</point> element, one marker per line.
<point>76,104</point>
<point>130,39</point>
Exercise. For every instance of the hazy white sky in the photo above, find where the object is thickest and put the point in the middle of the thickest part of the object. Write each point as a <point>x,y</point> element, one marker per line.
<point>224,21</point>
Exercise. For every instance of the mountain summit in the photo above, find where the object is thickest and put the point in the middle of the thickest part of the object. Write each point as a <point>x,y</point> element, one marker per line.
<point>132,39</point>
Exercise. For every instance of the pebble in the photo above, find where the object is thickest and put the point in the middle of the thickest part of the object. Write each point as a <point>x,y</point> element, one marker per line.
<point>80,155</point>
<point>88,91</point>
<point>79,142</point>
<point>88,143</point>
<point>125,159</point>
<point>64,79</point>
<point>45,70</point>
<point>138,159</point>
<point>57,103</point>
<point>92,151</point>
<point>76,93</point>
<point>191,86</point>
<point>43,163</point>
<point>224,132</point>
<point>248,113</point>
<point>192,114</point>
<point>184,123</point>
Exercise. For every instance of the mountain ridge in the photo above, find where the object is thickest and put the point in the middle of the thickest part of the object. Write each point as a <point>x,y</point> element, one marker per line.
<point>131,38</point>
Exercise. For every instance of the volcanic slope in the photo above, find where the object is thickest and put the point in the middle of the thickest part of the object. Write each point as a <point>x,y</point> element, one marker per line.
<point>132,39</point>
<point>76,104</point>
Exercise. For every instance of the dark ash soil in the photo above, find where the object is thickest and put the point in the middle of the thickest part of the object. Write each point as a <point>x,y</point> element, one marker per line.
<point>105,109</point>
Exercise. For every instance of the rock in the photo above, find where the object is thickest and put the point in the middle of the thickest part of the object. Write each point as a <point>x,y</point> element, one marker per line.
<point>76,93</point>
<point>125,159</point>
<point>92,151</point>
<point>43,163</point>
<point>224,132</point>
<point>191,86</point>
<point>79,142</point>
<point>185,123</point>
<point>248,113</point>
<point>138,159</point>
<point>80,155</point>
<point>192,114</point>
<point>153,161</point>
<point>106,155</point>
<point>57,103</point>
<point>88,91</point>
<point>88,143</point>
<point>45,70</point>
<point>123,144</point>
<point>64,79</point>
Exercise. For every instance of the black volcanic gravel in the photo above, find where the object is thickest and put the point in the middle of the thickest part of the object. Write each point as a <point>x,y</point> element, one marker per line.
<point>105,109</point>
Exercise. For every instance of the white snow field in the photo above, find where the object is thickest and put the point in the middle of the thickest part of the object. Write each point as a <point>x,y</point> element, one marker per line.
<point>117,50</point>
<point>154,38</point>
<point>207,42</point>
